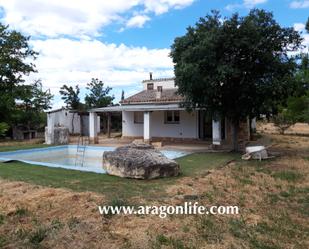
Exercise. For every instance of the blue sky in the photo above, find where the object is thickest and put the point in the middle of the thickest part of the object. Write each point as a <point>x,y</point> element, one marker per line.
<point>161,30</point>
<point>119,41</point>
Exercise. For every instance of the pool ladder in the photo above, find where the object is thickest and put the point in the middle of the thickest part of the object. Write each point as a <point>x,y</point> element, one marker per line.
<point>83,141</point>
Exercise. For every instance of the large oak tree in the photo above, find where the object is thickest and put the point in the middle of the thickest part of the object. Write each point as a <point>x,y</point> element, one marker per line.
<point>15,62</point>
<point>20,103</point>
<point>236,67</point>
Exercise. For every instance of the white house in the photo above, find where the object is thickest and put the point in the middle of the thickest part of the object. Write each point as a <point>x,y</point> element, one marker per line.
<point>155,114</point>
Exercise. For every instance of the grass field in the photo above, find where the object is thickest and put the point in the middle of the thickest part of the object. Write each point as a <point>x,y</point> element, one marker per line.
<point>110,185</point>
<point>44,207</point>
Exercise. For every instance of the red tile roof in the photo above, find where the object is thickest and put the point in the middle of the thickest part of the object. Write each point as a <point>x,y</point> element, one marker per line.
<point>149,96</point>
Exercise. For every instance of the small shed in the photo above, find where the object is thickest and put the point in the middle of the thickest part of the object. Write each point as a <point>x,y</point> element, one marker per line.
<point>76,122</point>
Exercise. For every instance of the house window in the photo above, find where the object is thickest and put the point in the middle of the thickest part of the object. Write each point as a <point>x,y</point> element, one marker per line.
<point>159,88</point>
<point>138,117</point>
<point>150,86</point>
<point>172,117</point>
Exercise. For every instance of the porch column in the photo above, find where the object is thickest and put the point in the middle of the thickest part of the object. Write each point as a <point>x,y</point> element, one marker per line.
<point>93,129</point>
<point>109,123</point>
<point>49,133</point>
<point>147,136</point>
<point>253,124</point>
<point>216,132</point>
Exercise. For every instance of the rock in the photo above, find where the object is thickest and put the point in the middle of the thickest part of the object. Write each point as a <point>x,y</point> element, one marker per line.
<point>140,161</point>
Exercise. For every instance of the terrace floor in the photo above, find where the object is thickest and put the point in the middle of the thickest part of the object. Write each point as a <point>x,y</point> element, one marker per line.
<point>189,146</point>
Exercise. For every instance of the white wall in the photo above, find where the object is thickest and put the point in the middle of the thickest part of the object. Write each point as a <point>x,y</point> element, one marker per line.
<point>187,128</point>
<point>165,84</point>
<point>129,128</point>
<point>64,118</point>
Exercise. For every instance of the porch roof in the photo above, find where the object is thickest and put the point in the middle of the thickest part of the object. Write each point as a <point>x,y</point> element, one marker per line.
<point>132,108</point>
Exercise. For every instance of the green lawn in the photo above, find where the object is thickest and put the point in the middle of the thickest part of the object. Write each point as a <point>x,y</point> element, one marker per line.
<point>111,185</point>
<point>21,147</point>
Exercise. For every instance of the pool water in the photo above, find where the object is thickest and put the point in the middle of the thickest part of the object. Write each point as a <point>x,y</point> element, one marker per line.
<point>65,157</point>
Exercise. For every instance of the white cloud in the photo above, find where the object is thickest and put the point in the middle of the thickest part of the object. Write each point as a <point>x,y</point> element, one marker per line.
<point>78,17</point>
<point>252,3</point>
<point>137,21</point>
<point>65,33</point>
<point>64,61</point>
<point>162,6</point>
<point>299,26</point>
<point>300,4</point>
<point>245,4</point>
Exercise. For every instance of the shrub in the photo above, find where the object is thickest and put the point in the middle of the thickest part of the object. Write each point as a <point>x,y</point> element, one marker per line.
<point>73,222</point>
<point>21,212</point>
<point>116,202</point>
<point>3,128</point>
<point>38,235</point>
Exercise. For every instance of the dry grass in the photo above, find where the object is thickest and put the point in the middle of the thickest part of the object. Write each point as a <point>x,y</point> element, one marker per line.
<point>272,196</point>
<point>289,145</point>
<point>4,142</point>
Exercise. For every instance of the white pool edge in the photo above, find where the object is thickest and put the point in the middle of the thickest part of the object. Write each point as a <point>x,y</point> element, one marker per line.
<point>62,166</point>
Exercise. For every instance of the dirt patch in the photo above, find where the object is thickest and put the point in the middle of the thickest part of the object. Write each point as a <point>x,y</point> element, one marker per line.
<point>271,128</point>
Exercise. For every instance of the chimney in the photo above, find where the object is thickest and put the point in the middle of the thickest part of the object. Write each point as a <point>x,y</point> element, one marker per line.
<point>150,75</point>
<point>159,92</point>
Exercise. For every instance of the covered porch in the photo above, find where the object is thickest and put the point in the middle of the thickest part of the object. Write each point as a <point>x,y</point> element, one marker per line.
<point>155,122</point>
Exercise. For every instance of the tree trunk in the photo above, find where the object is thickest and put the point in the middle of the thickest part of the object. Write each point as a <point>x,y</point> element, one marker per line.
<point>235,127</point>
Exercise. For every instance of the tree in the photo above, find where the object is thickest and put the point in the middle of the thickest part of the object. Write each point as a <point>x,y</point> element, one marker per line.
<point>297,110</point>
<point>307,25</point>
<point>3,128</point>
<point>30,107</point>
<point>20,103</point>
<point>70,96</point>
<point>301,79</point>
<point>237,67</point>
<point>15,62</point>
<point>98,96</point>
<point>282,121</point>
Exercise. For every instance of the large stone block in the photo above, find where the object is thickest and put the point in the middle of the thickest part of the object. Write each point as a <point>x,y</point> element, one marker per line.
<point>140,161</point>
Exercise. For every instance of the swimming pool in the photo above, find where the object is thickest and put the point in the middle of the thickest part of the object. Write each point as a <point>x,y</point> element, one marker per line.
<point>65,156</point>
